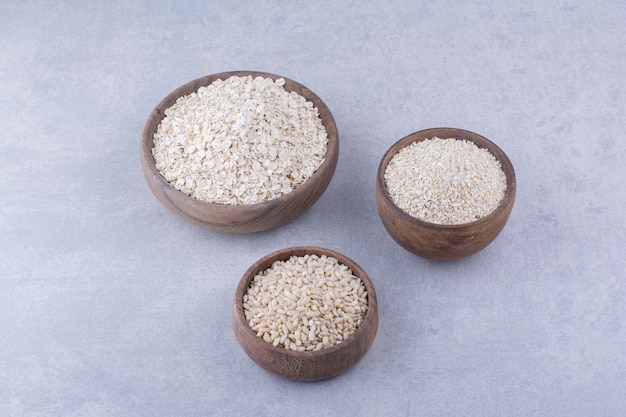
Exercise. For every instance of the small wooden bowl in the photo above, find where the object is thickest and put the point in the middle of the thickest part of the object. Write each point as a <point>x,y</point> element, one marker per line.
<point>312,365</point>
<point>436,241</point>
<point>242,218</point>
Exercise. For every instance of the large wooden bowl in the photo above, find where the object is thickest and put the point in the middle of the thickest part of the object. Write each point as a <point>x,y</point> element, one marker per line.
<point>436,241</point>
<point>313,365</point>
<point>241,218</point>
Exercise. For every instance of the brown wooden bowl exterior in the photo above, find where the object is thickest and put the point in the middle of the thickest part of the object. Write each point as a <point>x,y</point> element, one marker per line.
<point>305,366</point>
<point>242,218</point>
<point>444,242</point>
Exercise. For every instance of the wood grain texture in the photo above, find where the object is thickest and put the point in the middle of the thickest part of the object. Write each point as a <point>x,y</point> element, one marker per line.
<point>305,366</point>
<point>239,218</point>
<point>444,242</point>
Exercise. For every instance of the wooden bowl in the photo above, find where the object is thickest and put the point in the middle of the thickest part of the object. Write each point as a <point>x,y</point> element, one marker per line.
<point>308,365</point>
<point>242,218</point>
<point>436,241</point>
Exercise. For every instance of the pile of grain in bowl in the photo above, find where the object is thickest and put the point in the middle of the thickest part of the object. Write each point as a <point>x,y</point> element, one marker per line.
<point>305,303</point>
<point>445,181</point>
<point>242,140</point>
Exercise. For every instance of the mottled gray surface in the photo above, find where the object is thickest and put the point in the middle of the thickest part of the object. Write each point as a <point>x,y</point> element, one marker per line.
<point>112,306</point>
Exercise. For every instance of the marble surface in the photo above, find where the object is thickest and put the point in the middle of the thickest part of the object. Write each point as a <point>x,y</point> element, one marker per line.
<point>112,306</point>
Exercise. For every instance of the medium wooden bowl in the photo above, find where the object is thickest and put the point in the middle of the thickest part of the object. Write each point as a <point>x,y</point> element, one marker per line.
<point>312,365</point>
<point>436,241</point>
<point>242,218</point>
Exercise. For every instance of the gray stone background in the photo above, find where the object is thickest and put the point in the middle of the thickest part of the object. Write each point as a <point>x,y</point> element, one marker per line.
<point>112,306</point>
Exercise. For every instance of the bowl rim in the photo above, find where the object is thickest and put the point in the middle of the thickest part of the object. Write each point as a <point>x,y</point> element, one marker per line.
<point>285,253</point>
<point>421,135</point>
<point>158,113</point>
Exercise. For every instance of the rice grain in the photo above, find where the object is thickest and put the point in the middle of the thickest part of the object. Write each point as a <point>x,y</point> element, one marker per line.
<point>306,312</point>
